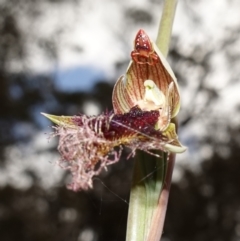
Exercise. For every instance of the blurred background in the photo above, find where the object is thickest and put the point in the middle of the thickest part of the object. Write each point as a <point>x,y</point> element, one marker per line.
<point>63,57</point>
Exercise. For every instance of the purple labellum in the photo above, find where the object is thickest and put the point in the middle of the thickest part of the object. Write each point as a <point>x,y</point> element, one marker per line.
<point>90,146</point>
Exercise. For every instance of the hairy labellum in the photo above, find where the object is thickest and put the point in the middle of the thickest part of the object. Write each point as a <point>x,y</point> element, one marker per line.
<point>90,147</point>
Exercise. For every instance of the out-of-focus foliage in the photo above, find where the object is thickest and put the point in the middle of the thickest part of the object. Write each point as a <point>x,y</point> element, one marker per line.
<point>34,203</point>
<point>206,206</point>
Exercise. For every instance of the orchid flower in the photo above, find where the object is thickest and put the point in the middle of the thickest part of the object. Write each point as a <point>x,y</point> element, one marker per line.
<point>145,100</point>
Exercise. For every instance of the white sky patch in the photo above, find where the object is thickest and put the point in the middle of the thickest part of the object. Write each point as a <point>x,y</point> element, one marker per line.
<point>214,16</point>
<point>229,100</point>
<point>219,76</point>
<point>31,157</point>
<point>99,28</point>
<point>91,108</point>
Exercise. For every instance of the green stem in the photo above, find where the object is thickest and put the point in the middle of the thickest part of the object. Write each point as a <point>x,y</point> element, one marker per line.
<point>158,218</point>
<point>152,175</point>
<point>165,26</point>
<point>147,183</point>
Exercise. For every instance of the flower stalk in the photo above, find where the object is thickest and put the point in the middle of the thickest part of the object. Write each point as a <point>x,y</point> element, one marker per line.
<point>165,26</point>
<point>152,176</point>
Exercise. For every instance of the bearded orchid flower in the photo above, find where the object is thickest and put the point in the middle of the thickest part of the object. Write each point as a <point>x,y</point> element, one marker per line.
<point>144,100</point>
